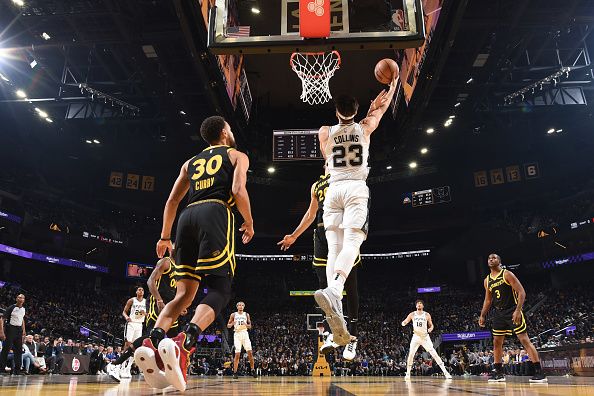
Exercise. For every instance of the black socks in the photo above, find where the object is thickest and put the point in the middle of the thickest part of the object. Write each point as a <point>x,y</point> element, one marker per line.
<point>192,332</point>
<point>499,367</point>
<point>157,334</point>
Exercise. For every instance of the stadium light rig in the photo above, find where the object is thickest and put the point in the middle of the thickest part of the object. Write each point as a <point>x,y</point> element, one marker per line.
<point>553,79</point>
<point>96,94</point>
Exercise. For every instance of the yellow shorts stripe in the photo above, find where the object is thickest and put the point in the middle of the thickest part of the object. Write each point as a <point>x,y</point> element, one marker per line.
<point>177,273</point>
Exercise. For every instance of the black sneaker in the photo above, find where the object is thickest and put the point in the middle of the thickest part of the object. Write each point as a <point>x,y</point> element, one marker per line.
<point>496,377</point>
<point>254,374</point>
<point>235,376</point>
<point>539,378</point>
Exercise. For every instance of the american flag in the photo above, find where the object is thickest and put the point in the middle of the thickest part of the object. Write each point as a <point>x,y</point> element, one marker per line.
<point>238,31</point>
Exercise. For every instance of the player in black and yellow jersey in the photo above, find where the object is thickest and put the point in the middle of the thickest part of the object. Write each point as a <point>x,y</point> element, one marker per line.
<point>315,212</point>
<point>504,291</point>
<point>215,180</point>
<point>162,286</point>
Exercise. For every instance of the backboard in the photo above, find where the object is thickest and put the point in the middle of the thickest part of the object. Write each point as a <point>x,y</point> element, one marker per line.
<point>272,26</point>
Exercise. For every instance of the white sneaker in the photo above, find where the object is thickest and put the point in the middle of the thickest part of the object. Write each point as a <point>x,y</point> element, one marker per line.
<point>332,307</point>
<point>407,377</point>
<point>350,351</point>
<point>113,372</point>
<point>125,368</point>
<point>329,345</point>
<point>448,375</point>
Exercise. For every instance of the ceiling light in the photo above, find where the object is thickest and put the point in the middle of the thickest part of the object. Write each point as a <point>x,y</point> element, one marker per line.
<point>96,141</point>
<point>19,2</point>
<point>424,150</point>
<point>187,123</point>
<point>559,130</point>
<point>88,141</point>
<point>41,113</point>
<point>170,92</point>
<point>21,94</point>
<point>271,169</point>
<point>552,130</point>
<point>49,120</point>
<point>412,165</point>
<point>33,64</point>
<point>2,76</point>
<point>389,167</point>
<point>182,112</point>
<point>447,123</point>
<point>457,104</point>
<point>430,131</point>
<point>255,10</point>
<point>452,117</point>
<point>469,80</point>
<point>45,36</point>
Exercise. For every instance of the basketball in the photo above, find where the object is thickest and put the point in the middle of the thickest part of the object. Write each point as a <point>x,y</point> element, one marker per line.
<point>386,70</point>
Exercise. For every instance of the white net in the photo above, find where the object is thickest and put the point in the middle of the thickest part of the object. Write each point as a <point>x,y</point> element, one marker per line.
<point>315,71</point>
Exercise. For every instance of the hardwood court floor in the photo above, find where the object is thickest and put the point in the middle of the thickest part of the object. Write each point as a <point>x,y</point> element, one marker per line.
<point>336,386</point>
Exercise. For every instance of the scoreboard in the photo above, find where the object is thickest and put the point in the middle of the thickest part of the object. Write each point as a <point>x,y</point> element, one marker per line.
<point>295,144</point>
<point>428,197</point>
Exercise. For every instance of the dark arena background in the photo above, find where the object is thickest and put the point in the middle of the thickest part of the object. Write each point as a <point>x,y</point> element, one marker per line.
<point>486,147</point>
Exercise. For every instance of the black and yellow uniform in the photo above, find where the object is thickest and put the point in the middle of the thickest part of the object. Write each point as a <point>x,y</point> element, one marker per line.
<point>505,300</point>
<point>166,285</point>
<point>205,237</point>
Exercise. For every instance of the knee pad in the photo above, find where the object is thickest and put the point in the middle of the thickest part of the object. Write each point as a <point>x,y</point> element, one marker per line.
<point>219,293</point>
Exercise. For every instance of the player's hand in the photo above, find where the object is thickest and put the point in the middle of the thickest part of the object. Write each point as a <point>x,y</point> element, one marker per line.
<point>162,247</point>
<point>482,321</point>
<point>378,101</point>
<point>248,232</point>
<point>128,319</point>
<point>160,305</point>
<point>517,317</point>
<point>286,243</point>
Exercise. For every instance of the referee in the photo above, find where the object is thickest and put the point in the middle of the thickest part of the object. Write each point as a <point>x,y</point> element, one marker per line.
<point>12,333</point>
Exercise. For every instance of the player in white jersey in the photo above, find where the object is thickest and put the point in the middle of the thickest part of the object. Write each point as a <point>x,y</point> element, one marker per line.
<point>346,208</point>
<point>134,313</point>
<point>422,326</point>
<point>241,323</point>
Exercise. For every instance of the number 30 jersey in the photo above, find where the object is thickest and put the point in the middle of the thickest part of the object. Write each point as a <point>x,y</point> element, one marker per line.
<point>211,175</point>
<point>347,152</point>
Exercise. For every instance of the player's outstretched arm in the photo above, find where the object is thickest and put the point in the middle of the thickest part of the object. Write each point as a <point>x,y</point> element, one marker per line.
<point>162,266</point>
<point>377,109</point>
<point>239,190</point>
<point>231,321</point>
<point>429,323</point>
<point>178,192</point>
<point>407,320</point>
<point>486,304</point>
<point>518,288</point>
<point>126,310</point>
<point>306,221</point>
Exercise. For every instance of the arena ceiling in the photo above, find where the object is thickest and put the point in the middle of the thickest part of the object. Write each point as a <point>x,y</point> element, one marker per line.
<point>152,56</point>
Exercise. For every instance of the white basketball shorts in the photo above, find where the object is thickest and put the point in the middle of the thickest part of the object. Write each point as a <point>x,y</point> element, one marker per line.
<point>347,205</point>
<point>417,341</point>
<point>242,339</point>
<point>132,331</point>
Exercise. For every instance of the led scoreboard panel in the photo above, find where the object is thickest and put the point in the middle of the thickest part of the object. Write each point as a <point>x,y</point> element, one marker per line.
<point>427,197</point>
<point>295,144</point>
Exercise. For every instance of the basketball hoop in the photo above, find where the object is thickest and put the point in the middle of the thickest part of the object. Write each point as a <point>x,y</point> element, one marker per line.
<point>315,69</point>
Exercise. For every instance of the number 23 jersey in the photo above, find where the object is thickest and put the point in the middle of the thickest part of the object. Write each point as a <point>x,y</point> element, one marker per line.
<point>347,152</point>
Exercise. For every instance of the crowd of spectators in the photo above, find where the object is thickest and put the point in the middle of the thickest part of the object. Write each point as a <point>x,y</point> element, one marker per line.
<point>282,343</point>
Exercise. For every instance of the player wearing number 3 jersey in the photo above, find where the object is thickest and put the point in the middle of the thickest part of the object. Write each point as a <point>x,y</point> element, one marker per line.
<point>346,208</point>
